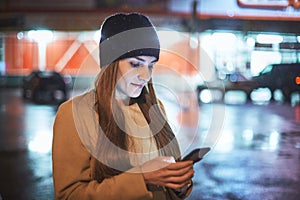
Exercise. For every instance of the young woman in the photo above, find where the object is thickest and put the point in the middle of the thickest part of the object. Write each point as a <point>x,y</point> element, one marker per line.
<point>114,142</point>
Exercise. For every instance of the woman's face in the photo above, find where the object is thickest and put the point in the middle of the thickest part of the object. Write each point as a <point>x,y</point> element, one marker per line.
<point>133,74</point>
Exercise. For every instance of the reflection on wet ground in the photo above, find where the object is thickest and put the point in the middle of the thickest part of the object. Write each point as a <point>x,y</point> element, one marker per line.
<point>267,167</point>
<point>255,155</point>
<point>25,144</point>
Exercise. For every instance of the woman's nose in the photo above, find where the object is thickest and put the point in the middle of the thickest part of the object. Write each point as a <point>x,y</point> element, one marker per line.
<point>144,73</point>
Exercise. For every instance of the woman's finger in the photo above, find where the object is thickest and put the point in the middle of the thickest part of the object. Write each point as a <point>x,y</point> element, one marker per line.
<point>180,179</point>
<point>179,165</point>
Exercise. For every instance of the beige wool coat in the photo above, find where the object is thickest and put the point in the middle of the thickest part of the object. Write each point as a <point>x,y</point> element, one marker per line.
<point>73,160</point>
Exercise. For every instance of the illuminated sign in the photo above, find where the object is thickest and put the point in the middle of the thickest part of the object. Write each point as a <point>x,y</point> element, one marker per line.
<point>271,4</point>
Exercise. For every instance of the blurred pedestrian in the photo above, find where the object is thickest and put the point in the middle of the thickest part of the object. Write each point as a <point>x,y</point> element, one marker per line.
<point>114,142</point>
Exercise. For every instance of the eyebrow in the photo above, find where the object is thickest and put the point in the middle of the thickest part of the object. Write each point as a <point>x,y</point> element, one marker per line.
<point>141,59</point>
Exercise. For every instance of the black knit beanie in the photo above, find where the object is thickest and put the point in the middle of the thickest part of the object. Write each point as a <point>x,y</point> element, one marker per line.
<point>127,35</point>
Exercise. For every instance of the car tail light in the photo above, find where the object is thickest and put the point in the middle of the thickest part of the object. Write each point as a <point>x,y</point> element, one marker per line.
<point>297,80</point>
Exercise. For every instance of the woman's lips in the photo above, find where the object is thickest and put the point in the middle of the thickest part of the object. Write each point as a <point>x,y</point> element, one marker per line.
<point>138,85</point>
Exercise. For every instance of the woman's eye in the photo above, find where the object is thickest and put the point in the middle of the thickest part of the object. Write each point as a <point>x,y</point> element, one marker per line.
<point>135,64</point>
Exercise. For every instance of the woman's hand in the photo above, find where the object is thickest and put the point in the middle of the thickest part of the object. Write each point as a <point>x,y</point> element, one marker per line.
<point>160,171</point>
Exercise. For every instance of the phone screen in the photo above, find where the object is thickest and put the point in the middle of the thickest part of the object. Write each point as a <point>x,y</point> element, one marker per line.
<point>197,154</point>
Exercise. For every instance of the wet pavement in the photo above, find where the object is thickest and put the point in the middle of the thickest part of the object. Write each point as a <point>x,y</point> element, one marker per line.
<point>255,149</point>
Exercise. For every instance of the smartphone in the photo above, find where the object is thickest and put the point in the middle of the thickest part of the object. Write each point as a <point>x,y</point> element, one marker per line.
<point>196,155</point>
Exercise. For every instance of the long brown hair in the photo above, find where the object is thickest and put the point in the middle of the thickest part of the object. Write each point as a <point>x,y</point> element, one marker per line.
<point>113,134</point>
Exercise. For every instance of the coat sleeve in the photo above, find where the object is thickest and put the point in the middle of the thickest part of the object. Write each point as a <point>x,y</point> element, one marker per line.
<point>72,167</point>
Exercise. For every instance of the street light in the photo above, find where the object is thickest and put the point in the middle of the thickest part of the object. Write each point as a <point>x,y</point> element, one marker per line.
<point>269,39</point>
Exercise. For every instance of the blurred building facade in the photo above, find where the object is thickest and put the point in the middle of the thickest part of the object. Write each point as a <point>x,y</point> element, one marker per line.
<point>215,37</point>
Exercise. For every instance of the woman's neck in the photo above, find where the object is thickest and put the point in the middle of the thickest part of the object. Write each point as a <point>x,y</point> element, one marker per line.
<point>121,98</point>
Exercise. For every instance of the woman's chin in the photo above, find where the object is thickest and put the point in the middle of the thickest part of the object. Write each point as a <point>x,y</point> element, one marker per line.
<point>136,93</point>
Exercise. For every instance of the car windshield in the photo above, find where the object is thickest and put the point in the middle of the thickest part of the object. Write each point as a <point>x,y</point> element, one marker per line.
<point>267,69</point>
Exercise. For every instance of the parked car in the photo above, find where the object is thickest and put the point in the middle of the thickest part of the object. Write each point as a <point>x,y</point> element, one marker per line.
<point>45,87</point>
<point>236,81</point>
<point>232,82</point>
<point>285,77</point>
